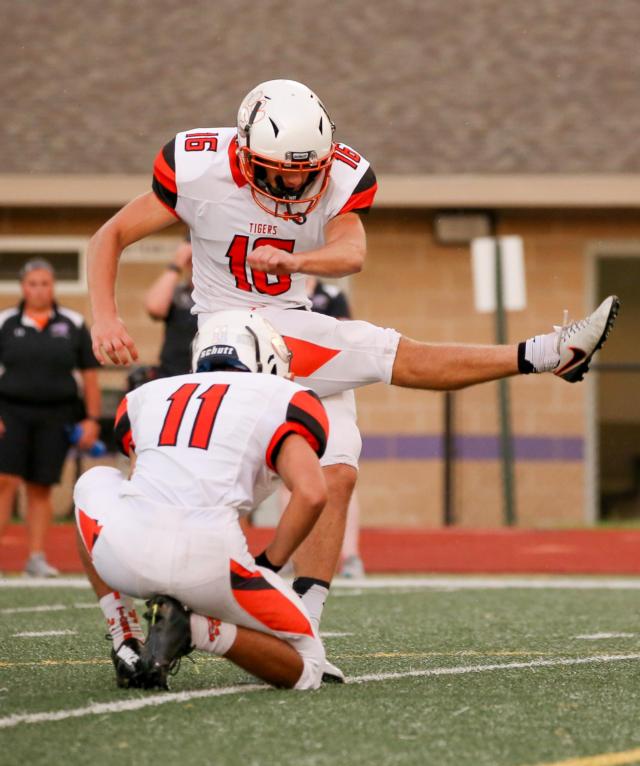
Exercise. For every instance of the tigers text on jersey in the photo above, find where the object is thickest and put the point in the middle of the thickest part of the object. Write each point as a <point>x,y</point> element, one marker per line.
<point>197,176</point>
<point>211,440</point>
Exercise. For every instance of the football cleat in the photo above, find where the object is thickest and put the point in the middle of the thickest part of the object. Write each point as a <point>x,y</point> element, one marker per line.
<point>578,341</point>
<point>127,663</point>
<point>352,567</point>
<point>38,566</point>
<point>169,639</point>
<point>332,674</point>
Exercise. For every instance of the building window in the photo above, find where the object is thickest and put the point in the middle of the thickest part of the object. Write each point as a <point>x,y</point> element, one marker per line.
<point>66,255</point>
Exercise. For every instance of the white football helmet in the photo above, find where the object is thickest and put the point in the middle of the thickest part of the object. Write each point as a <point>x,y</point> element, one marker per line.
<point>242,340</point>
<point>283,126</point>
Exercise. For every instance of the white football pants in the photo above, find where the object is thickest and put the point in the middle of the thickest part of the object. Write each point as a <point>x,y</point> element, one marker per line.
<point>144,549</point>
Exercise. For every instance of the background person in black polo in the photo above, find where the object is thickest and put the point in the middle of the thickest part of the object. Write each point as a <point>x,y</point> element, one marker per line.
<point>41,345</point>
<point>169,299</point>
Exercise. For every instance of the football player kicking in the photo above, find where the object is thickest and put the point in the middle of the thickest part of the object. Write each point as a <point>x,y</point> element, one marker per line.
<point>208,447</point>
<point>268,202</point>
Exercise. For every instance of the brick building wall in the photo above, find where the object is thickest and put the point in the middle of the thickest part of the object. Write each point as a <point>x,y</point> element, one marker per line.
<point>425,290</point>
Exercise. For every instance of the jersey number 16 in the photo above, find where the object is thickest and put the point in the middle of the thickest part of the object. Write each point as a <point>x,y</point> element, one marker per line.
<point>237,255</point>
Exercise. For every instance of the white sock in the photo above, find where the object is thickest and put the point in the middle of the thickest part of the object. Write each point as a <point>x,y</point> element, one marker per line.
<point>542,352</point>
<point>121,616</point>
<point>211,635</point>
<point>314,599</point>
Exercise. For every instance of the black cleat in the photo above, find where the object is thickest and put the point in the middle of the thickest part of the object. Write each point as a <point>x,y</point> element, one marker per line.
<point>128,664</point>
<point>332,674</point>
<point>169,639</point>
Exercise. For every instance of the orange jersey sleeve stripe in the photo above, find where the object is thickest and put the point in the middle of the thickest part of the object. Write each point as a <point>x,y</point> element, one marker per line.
<point>360,201</point>
<point>165,175</point>
<point>277,440</point>
<point>309,403</point>
<point>122,429</point>
<point>168,207</point>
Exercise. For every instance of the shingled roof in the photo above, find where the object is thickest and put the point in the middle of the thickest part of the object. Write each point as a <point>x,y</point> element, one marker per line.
<point>419,86</point>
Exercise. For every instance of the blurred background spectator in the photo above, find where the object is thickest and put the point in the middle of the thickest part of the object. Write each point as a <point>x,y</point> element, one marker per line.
<point>41,345</point>
<point>169,299</point>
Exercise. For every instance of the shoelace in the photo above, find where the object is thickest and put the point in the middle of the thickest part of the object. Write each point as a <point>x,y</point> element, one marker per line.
<point>567,328</point>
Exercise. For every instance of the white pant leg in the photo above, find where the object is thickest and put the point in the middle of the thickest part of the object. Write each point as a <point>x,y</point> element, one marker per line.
<point>238,592</point>
<point>331,355</point>
<point>115,535</point>
<point>344,443</point>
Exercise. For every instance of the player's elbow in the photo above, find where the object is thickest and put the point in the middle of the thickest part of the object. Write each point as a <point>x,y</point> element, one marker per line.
<point>356,259</point>
<point>108,235</point>
<point>357,267</point>
<point>155,309</point>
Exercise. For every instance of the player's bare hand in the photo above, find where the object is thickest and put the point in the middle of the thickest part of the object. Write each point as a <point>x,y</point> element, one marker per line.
<point>111,341</point>
<point>272,260</point>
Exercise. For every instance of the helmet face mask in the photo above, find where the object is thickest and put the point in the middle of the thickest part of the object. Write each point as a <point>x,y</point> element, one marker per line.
<point>243,341</point>
<point>285,131</point>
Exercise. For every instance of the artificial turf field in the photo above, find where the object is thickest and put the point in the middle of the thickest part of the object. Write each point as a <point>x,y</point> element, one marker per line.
<point>442,671</point>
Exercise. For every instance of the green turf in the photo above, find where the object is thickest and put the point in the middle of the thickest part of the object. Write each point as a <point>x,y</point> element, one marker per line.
<point>498,718</point>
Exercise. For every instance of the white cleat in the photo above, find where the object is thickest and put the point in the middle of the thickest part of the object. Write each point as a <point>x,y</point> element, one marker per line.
<point>352,567</point>
<point>578,341</point>
<point>331,674</point>
<point>38,566</point>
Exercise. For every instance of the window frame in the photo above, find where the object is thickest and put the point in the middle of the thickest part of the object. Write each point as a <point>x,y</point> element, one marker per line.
<point>41,245</point>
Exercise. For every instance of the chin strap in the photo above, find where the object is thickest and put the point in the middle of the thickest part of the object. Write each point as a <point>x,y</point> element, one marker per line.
<point>299,218</point>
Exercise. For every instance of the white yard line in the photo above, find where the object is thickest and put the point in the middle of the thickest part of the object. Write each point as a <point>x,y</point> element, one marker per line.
<point>126,705</point>
<point>42,633</point>
<point>560,662</point>
<point>47,608</point>
<point>333,634</point>
<point>479,582</point>
<point>42,608</point>
<point>44,582</point>
<point>162,699</point>
<point>597,636</point>
<point>432,582</point>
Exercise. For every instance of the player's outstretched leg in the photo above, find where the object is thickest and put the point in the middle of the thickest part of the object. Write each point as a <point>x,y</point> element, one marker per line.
<point>567,352</point>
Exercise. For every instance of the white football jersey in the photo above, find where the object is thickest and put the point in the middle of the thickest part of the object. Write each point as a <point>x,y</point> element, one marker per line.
<point>197,176</point>
<point>211,440</point>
